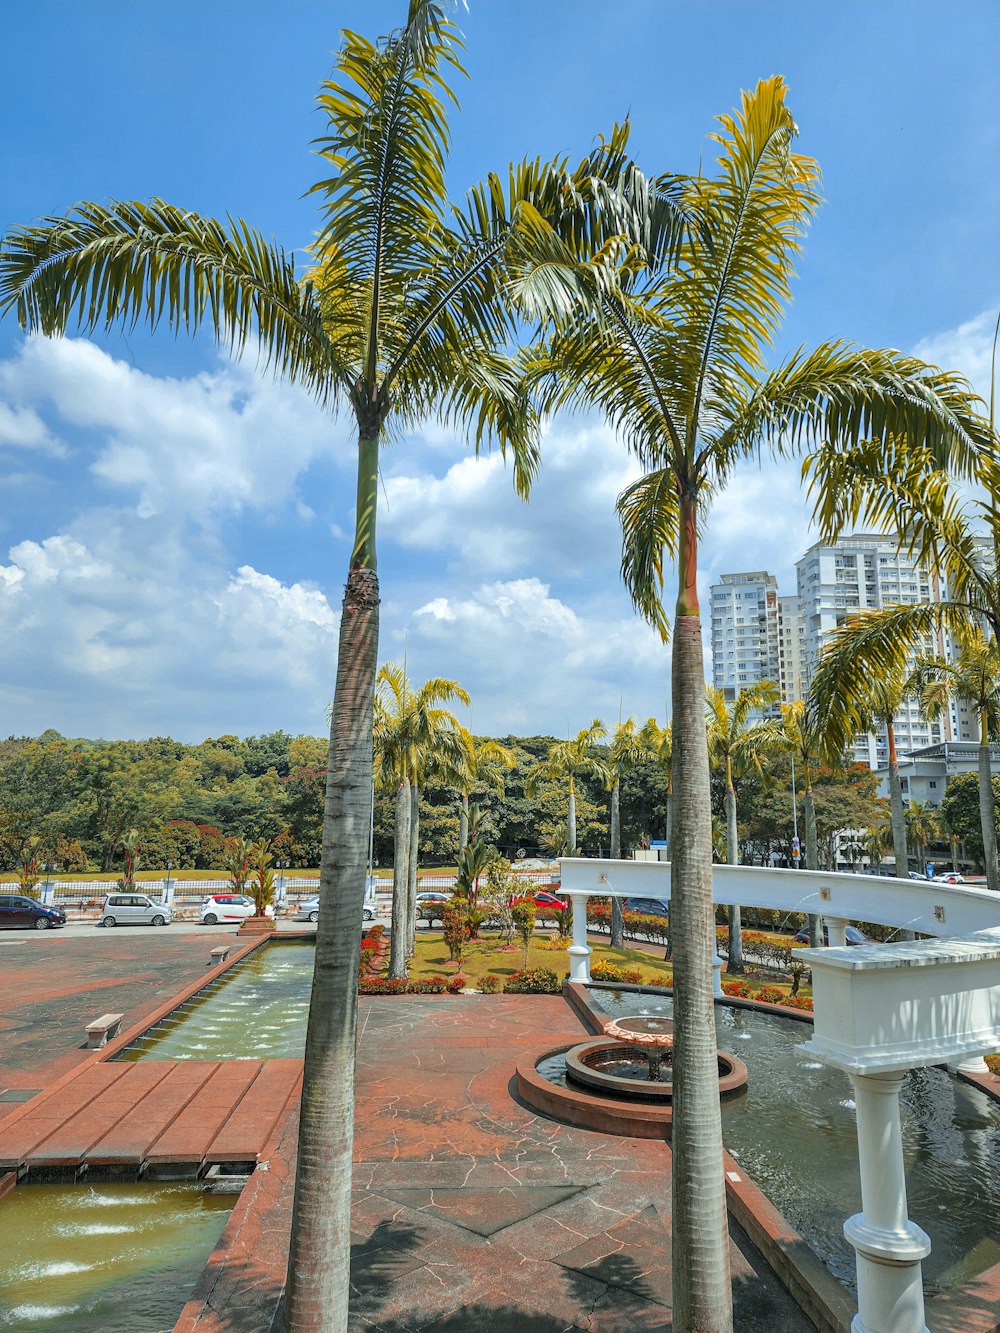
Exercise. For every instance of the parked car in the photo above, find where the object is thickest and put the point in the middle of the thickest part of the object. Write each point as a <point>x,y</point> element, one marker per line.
<point>308,910</point>
<point>546,904</point>
<point>647,906</point>
<point>950,877</point>
<point>430,905</point>
<point>915,874</point>
<point>134,909</point>
<point>851,934</point>
<point>229,907</point>
<point>18,910</point>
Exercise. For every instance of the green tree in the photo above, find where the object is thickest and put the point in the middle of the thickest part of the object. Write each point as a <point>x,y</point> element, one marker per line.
<point>961,808</point>
<point>738,743</point>
<point>675,354</point>
<point>566,762</point>
<point>480,763</point>
<point>625,751</point>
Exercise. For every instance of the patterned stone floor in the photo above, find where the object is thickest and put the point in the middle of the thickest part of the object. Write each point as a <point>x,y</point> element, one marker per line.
<point>471,1212</point>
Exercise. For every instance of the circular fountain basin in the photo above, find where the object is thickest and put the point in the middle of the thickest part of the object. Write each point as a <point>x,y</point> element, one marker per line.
<point>607,1087</point>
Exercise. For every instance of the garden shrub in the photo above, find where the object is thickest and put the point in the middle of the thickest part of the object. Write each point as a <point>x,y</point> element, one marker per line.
<point>993,1063</point>
<point>456,928</point>
<point>490,984</point>
<point>739,989</point>
<point>770,995</point>
<point>604,971</point>
<point>457,984</point>
<point>799,1002</point>
<point>533,981</point>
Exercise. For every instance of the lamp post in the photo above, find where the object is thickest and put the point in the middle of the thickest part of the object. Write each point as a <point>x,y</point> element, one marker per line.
<point>796,853</point>
<point>47,887</point>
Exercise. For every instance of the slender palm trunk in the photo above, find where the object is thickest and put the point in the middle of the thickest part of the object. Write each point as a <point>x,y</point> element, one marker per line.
<point>318,1289</point>
<point>987,813</point>
<point>617,919</point>
<point>735,964</point>
<point>400,884</point>
<point>900,849</point>
<point>812,857</point>
<point>571,821</point>
<point>669,829</point>
<point>463,822</point>
<point>702,1298</point>
<point>411,869</point>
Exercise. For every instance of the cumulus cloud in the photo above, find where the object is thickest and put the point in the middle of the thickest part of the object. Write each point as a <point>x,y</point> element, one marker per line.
<point>224,440</point>
<point>968,349</point>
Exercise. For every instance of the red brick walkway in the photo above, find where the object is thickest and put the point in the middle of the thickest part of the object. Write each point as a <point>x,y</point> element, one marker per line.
<point>471,1213</point>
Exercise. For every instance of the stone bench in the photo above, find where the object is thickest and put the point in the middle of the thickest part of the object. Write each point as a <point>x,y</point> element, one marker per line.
<point>219,955</point>
<point>103,1029</point>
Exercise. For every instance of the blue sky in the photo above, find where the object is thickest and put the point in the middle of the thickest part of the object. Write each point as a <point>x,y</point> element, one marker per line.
<point>174,537</point>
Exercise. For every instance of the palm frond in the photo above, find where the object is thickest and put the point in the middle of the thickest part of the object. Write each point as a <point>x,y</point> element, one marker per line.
<point>129,262</point>
<point>650,513</point>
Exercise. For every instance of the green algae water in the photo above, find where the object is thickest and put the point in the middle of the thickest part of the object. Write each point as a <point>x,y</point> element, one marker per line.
<point>115,1258</point>
<point>257,1011</point>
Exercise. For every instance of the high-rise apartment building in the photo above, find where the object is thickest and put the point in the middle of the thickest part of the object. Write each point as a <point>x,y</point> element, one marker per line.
<point>747,634</point>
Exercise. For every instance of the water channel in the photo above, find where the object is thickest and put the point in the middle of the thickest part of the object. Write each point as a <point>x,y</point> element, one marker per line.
<point>795,1134</point>
<point>114,1258</point>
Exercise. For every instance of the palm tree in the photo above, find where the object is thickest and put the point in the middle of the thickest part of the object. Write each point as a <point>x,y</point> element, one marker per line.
<point>479,762</point>
<point>807,747</point>
<point>567,761</point>
<point>876,843</point>
<point>411,729</point>
<point>923,826</point>
<point>625,751</point>
<point>974,678</point>
<point>659,742</point>
<point>674,353</point>
<point>405,315</point>
<point>739,744</point>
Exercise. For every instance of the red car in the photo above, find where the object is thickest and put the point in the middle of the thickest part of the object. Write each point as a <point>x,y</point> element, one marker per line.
<point>545,903</point>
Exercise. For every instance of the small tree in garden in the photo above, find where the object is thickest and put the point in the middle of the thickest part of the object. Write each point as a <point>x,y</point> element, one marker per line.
<point>474,860</point>
<point>28,876</point>
<point>236,863</point>
<point>262,882</point>
<point>130,849</point>
<point>497,896</point>
<point>456,928</point>
<point>523,913</point>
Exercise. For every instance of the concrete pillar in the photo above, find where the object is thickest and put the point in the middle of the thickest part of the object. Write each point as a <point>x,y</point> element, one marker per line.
<point>889,1246</point>
<point>973,1064</point>
<point>717,990</point>
<point>168,890</point>
<point>579,951</point>
<point>836,928</point>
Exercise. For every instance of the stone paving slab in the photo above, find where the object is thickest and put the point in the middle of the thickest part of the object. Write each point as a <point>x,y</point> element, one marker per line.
<point>472,1213</point>
<point>126,1143</point>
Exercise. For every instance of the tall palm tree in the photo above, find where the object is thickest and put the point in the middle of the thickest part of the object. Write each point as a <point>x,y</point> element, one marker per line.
<point>739,742</point>
<point>411,731</point>
<point>807,747</point>
<point>481,761</point>
<point>624,752</point>
<point>974,678</point>
<point>565,762</point>
<point>923,826</point>
<point>674,353</point>
<point>404,315</point>
<point>876,841</point>
<point>659,742</point>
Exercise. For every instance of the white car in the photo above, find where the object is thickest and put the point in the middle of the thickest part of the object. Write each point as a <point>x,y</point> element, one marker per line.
<point>222,907</point>
<point>308,910</point>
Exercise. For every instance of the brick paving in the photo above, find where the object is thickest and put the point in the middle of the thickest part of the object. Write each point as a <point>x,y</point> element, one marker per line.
<point>470,1211</point>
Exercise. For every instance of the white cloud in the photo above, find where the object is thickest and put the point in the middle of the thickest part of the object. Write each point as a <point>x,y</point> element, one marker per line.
<point>967,349</point>
<point>225,440</point>
<point>23,428</point>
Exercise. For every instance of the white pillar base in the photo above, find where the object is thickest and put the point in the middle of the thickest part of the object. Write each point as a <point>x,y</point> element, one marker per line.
<point>836,931</point>
<point>579,951</point>
<point>717,990</point>
<point>974,1064</point>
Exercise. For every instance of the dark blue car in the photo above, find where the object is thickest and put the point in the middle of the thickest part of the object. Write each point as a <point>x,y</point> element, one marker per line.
<point>17,910</point>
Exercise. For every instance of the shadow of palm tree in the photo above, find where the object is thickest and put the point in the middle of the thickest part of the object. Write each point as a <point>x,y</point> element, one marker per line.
<point>614,1270</point>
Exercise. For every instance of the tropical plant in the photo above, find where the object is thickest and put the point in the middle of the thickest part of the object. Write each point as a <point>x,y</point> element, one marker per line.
<point>674,352</point>
<point>806,747</point>
<point>479,762</point>
<point>923,827</point>
<point>262,876</point>
<point>566,762</point>
<point>625,751</point>
<point>474,861</point>
<point>523,914</point>
<point>405,314</point>
<point>130,855</point>
<point>236,863</point>
<point>738,738</point>
<point>412,733</point>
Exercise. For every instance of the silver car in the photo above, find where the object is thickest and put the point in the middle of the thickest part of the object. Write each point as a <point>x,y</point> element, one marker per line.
<point>134,909</point>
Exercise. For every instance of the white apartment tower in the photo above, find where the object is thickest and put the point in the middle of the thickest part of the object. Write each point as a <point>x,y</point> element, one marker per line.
<point>753,634</point>
<point>855,573</point>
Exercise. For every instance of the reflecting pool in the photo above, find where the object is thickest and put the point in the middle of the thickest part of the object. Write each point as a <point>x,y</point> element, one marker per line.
<point>795,1133</point>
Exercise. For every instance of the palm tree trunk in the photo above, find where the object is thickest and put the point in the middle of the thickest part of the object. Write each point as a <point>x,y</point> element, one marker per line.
<point>812,858</point>
<point>463,822</point>
<point>400,882</point>
<point>702,1296</point>
<point>411,869</point>
<point>571,821</point>
<point>987,814</point>
<point>898,813</point>
<point>318,1289</point>
<point>735,964</point>
<point>617,918</point>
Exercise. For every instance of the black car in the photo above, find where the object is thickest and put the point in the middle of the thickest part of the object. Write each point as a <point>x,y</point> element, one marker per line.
<point>647,906</point>
<point>16,910</point>
<point>851,934</point>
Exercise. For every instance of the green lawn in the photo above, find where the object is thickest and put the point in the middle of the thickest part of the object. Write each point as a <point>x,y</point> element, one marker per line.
<point>483,956</point>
